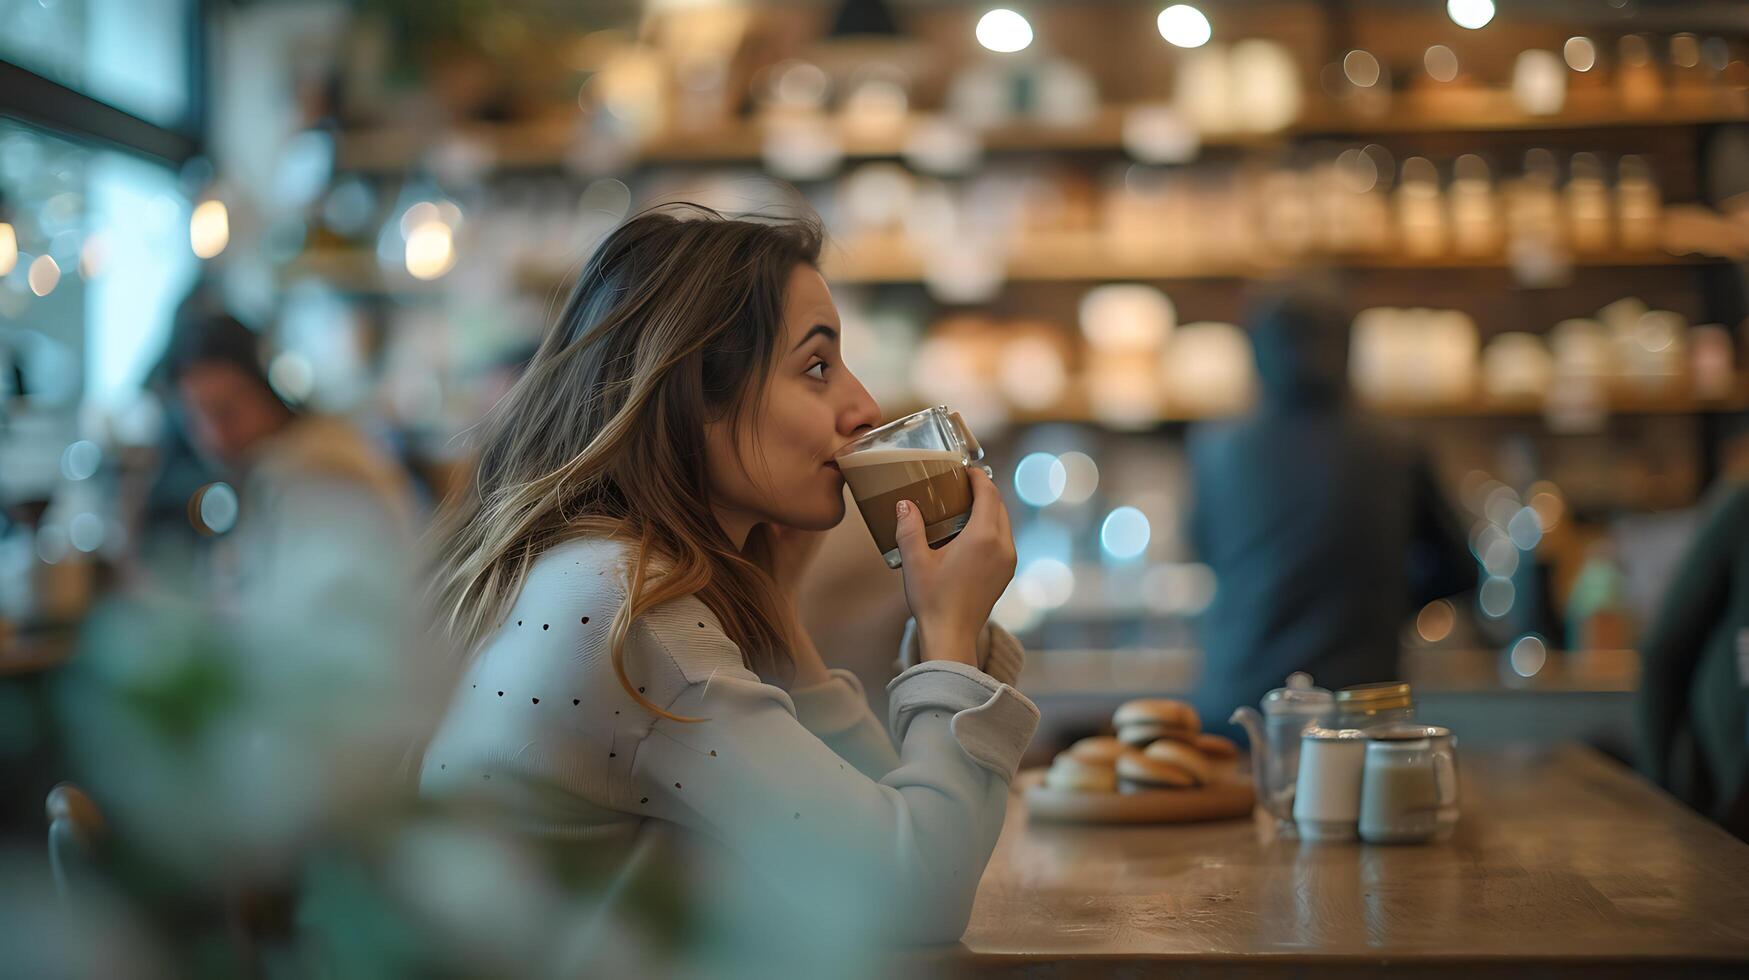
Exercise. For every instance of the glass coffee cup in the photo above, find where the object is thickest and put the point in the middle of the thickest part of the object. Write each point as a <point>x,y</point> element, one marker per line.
<point>921,458</point>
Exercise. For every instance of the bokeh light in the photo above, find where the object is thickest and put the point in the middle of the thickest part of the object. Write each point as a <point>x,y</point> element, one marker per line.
<point>430,251</point>
<point>8,248</point>
<point>1550,507</point>
<point>1502,503</point>
<point>292,376</point>
<point>1470,14</point>
<point>213,509</point>
<point>1580,53</point>
<point>85,531</point>
<point>1496,597</point>
<point>799,83</point>
<point>1483,537</point>
<point>1081,477</point>
<point>1441,62</point>
<point>1004,31</point>
<point>1184,26</point>
<point>44,275</point>
<point>1685,50</point>
<point>1125,533</point>
<point>1528,655</point>
<point>1436,620</point>
<point>1013,612</point>
<point>1501,558</point>
<point>209,228</point>
<point>1525,529</point>
<point>1046,583</point>
<point>1361,68</point>
<point>79,461</point>
<point>424,212</point>
<point>1039,479</point>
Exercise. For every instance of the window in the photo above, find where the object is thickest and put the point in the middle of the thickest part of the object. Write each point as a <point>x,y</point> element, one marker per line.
<point>136,55</point>
<point>113,229</point>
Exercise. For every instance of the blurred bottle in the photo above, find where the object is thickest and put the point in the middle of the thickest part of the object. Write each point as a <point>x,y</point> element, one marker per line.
<point>1597,613</point>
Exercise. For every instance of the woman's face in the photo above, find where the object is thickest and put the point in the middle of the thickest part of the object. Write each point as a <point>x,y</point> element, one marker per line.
<point>781,469</point>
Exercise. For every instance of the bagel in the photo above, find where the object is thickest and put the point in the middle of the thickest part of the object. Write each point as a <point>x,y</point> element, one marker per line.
<point>1080,775</point>
<point>1101,749</point>
<point>1136,772</point>
<point>1138,736</point>
<point>1174,719</point>
<point>1180,755</point>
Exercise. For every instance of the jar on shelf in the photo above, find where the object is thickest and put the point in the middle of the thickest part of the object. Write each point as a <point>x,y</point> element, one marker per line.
<point>1366,705</point>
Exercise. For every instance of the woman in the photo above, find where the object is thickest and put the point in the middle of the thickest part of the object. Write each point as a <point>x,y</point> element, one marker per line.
<point>648,499</point>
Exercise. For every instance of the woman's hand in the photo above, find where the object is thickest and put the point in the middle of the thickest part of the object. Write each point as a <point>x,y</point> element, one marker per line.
<point>951,589</point>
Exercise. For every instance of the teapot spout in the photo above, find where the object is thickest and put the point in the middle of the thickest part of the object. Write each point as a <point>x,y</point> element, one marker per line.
<point>1249,719</point>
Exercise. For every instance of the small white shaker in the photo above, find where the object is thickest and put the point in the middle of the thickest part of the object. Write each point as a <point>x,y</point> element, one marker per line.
<point>1327,794</point>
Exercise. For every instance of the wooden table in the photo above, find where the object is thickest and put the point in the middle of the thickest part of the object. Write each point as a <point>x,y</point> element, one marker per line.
<point>1564,864</point>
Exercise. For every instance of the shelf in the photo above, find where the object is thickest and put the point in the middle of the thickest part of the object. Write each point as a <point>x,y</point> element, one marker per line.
<point>1095,258</point>
<point>1624,404</point>
<point>546,143</point>
<point>1620,403</point>
<point>1060,258</point>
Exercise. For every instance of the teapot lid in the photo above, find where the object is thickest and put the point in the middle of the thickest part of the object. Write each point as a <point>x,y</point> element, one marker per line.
<point>1297,694</point>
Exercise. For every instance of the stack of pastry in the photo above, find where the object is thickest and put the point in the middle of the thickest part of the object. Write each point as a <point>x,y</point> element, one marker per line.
<point>1160,745</point>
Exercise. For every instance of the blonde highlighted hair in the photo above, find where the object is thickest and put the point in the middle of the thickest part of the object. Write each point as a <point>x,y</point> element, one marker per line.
<point>674,322</point>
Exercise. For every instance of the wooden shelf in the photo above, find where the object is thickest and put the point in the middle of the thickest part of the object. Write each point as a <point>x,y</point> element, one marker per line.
<point>1619,403</point>
<point>545,143</point>
<point>1097,258</point>
<point>1477,408</point>
<point>1067,259</point>
<point>1059,258</point>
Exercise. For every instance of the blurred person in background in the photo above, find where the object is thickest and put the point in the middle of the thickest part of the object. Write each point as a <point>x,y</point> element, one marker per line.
<point>308,488</point>
<point>622,578</point>
<point>231,725</point>
<point>1324,529</point>
<point>1693,699</point>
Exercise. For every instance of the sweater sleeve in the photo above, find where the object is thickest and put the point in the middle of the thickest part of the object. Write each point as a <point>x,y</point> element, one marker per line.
<point>998,653</point>
<point>907,849</point>
<point>837,712</point>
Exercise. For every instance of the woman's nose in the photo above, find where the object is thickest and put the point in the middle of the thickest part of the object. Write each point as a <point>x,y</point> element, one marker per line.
<point>862,412</point>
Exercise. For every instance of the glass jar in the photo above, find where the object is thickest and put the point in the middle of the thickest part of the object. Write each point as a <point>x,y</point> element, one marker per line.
<point>1366,705</point>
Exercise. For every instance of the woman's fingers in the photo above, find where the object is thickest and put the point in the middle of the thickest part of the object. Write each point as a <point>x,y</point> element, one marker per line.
<point>986,504</point>
<point>913,547</point>
<point>996,512</point>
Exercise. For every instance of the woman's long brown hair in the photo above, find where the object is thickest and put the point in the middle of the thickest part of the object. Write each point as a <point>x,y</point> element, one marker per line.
<point>674,322</point>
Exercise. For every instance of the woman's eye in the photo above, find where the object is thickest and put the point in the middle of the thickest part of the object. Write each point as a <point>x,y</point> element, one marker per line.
<point>819,366</point>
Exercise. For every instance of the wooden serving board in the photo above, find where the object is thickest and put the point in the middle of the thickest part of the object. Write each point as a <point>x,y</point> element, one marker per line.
<point>1221,801</point>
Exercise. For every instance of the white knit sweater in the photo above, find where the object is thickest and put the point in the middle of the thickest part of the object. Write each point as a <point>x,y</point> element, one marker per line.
<point>805,786</point>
